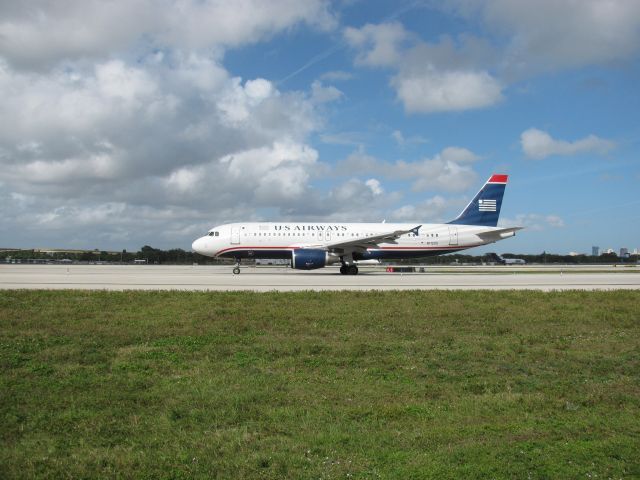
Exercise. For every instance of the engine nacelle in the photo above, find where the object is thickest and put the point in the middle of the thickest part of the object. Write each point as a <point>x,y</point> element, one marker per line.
<point>308,258</point>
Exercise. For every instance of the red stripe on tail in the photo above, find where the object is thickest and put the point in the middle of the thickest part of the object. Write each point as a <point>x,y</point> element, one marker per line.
<point>497,178</point>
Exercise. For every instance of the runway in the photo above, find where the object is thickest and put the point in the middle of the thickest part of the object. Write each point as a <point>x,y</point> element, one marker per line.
<point>204,278</point>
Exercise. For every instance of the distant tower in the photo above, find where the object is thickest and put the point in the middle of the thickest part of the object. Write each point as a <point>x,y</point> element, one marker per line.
<point>624,251</point>
<point>595,251</point>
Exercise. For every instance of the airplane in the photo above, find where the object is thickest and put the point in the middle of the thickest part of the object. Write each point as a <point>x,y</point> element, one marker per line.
<point>312,245</point>
<point>506,261</point>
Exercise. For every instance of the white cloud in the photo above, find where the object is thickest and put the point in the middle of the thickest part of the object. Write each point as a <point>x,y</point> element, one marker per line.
<point>554,221</point>
<point>95,166</point>
<point>111,130</point>
<point>533,221</point>
<point>71,106</point>
<point>238,100</point>
<point>375,186</point>
<point>402,141</point>
<point>458,155</point>
<point>220,22</point>
<point>398,137</point>
<point>324,94</point>
<point>538,144</point>
<point>40,33</point>
<point>274,173</point>
<point>430,92</point>
<point>430,210</point>
<point>377,45</point>
<point>173,132</point>
<point>450,170</point>
<point>184,180</point>
<point>525,38</point>
<point>117,82</point>
<point>555,34</point>
<point>443,76</point>
<point>437,173</point>
<point>356,200</point>
<point>199,71</point>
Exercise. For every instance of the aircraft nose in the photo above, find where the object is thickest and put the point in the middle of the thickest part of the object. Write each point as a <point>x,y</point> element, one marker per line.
<point>199,245</point>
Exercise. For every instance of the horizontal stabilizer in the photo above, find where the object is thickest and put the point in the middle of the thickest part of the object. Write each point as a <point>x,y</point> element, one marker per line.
<point>495,235</point>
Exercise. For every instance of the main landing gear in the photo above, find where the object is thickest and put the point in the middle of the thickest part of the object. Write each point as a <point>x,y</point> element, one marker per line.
<point>236,269</point>
<point>348,269</point>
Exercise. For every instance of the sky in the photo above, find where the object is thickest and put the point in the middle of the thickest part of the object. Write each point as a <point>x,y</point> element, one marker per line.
<point>147,122</point>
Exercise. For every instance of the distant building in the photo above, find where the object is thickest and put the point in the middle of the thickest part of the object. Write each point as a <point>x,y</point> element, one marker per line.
<point>595,251</point>
<point>624,251</point>
<point>635,251</point>
<point>609,250</point>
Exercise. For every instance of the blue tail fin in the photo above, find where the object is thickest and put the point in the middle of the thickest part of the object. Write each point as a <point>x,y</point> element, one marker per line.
<point>484,209</point>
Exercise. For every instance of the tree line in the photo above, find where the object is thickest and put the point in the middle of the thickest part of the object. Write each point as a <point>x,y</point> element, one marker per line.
<point>150,255</point>
<point>146,254</point>
<point>541,258</point>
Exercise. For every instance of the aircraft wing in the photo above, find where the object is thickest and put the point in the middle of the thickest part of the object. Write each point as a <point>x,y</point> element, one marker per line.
<point>362,243</point>
<point>499,234</point>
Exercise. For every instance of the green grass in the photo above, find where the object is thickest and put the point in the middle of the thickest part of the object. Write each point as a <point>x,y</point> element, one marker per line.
<point>320,385</point>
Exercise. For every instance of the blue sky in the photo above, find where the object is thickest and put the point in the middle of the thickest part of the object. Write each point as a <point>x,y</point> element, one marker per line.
<point>125,124</point>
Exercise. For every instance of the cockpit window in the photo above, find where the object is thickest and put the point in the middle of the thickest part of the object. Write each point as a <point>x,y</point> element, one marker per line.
<point>214,234</point>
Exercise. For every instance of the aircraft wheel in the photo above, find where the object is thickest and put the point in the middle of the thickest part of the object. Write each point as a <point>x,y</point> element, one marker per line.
<point>343,269</point>
<point>352,270</point>
<point>236,270</point>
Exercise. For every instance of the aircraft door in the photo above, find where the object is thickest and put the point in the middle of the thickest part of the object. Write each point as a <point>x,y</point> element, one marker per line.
<point>327,235</point>
<point>235,235</point>
<point>453,235</point>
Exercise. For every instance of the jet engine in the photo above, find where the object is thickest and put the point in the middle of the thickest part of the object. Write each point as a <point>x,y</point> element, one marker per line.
<point>308,258</point>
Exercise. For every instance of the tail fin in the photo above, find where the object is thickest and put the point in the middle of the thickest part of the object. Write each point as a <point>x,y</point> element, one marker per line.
<point>484,209</point>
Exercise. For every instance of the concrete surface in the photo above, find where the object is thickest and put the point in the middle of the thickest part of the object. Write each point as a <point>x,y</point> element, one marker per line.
<point>159,277</point>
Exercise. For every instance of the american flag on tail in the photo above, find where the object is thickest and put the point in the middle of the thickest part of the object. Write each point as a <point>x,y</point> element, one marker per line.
<point>486,205</point>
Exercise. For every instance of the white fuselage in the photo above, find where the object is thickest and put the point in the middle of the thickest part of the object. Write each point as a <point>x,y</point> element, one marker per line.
<point>279,239</point>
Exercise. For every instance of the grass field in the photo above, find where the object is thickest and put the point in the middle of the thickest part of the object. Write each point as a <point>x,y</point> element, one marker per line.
<point>320,385</point>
